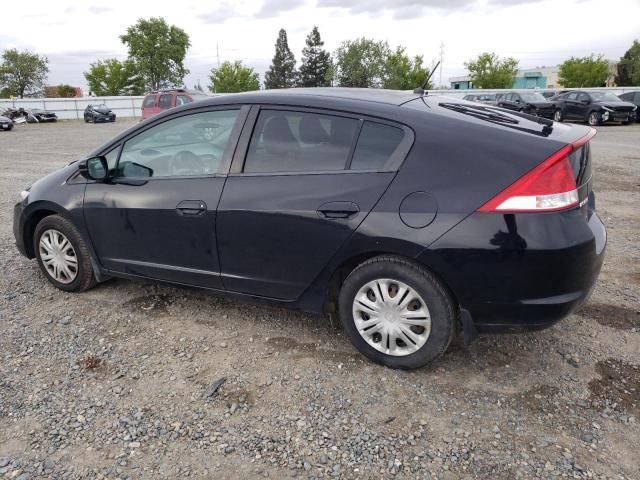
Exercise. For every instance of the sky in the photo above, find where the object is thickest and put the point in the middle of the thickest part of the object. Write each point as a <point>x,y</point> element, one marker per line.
<point>73,34</point>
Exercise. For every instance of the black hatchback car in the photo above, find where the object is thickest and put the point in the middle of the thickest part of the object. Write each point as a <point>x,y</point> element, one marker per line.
<point>532,103</point>
<point>593,107</point>
<point>99,113</point>
<point>406,215</point>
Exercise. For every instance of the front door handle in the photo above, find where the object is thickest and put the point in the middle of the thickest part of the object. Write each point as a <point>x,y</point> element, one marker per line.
<point>191,207</point>
<point>338,210</point>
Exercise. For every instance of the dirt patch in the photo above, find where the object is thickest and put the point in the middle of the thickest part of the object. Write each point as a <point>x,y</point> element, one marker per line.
<point>613,316</point>
<point>618,387</point>
<point>153,304</point>
<point>634,277</point>
<point>300,350</point>
<point>539,398</point>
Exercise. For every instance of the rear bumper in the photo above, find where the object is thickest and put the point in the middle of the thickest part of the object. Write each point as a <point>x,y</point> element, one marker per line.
<point>105,119</point>
<point>523,271</point>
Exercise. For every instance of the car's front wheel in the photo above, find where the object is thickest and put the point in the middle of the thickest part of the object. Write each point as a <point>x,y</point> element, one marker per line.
<point>557,115</point>
<point>594,119</point>
<point>397,313</point>
<point>63,255</point>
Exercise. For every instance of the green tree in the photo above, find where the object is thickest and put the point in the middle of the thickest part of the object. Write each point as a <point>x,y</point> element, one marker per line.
<point>629,67</point>
<point>490,71</point>
<point>158,51</point>
<point>23,72</point>
<point>315,70</point>
<point>233,77</point>
<point>282,72</point>
<point>403,73</point>
<point>361,63</point>
<point>66,91</point>
<point>111,77</point>
<point>5,92</point>
<point>591,71</point>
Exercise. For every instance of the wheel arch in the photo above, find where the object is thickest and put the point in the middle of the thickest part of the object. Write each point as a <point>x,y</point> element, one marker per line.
<point>343,270</point>
<point>40,211</point>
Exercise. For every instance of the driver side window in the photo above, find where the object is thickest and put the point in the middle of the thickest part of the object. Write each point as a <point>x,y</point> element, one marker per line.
<point>191,145</point>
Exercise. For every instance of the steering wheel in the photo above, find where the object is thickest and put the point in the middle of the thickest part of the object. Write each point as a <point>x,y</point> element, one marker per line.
<point>186,163</point>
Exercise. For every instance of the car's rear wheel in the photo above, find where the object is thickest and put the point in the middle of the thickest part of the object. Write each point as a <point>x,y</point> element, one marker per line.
<point>63,255</point>
<point>557,115</point>
<point>397,313</point>
<point>594,119</point>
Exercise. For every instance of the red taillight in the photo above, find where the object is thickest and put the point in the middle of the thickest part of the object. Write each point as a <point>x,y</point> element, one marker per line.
<point>551,186</point>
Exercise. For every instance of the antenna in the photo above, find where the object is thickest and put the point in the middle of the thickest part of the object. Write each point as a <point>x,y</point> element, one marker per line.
<point>420,90</point>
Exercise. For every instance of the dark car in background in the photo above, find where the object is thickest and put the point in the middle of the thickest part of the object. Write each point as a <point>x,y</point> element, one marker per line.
<point>6,123</point>
<point>632,97</point>
<point>593,107</point>
<point>407,215</point>
<point>486,98</point>
<point>99,113</point>
<point>156,102</point>
<point>528,102</point>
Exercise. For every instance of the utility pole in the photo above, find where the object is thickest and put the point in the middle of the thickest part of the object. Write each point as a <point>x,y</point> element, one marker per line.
<point>441,62</point>
<point>218,54</point>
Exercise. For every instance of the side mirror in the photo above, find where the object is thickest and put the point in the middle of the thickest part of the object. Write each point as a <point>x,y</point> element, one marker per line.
<point>95,168</point>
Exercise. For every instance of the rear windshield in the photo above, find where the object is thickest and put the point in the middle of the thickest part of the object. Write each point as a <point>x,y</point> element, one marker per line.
<point>604,96</point>
<point>533,97</point>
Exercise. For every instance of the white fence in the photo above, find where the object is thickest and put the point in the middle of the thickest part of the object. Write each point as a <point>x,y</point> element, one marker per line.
<point>73,108</point>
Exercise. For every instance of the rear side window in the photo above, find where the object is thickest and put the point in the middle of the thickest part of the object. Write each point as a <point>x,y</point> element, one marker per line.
<point>165,101</point>
<point>376,145</point>
<point>149,100</point>
<point>182,99</point>
<point>285,141</point>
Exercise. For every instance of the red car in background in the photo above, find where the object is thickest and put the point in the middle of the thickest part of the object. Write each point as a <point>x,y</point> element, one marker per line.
<point>156,102</point>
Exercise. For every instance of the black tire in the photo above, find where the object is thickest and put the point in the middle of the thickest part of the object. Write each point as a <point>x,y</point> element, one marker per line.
<point>557,115</point>
<point>86,119</point>
<point>442,309</point>
<point>594,119</point>
<point>85,278</point>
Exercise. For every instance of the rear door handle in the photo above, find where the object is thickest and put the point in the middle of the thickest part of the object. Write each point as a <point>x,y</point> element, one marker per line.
<point>338,210</point>
<point>191,207</point>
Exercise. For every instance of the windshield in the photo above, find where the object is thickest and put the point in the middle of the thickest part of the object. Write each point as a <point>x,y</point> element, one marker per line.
<point>604,97</point>
<point>533,97</point>
<point>101,106</point>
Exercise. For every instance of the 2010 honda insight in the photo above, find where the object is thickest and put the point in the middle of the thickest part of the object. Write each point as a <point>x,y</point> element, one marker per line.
<point>407,215</point>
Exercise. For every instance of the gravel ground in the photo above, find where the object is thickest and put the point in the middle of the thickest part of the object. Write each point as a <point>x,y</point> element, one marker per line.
<point>116,382</point>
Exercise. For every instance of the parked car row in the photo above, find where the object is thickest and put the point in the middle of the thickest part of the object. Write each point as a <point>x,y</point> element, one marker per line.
<point>594,107</point>
<point>35,115</point>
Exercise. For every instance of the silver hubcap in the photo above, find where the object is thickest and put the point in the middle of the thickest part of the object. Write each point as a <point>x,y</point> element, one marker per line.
<point>557,116</point>
<point>593,119</point>
<point>391,317</point>
<point>58,256</point>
